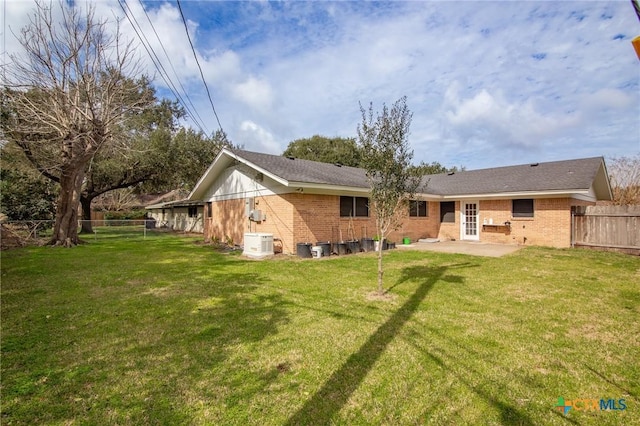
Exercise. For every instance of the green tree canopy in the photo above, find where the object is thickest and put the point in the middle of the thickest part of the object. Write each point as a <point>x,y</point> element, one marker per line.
<point>24,193</point>
<point>151,154</point>
<point>429,169</point>
<point>326,150</point>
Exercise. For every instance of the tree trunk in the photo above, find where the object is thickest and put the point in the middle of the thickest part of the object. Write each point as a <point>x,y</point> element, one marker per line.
<point>87,226</point>
<point>380,270</point>
<point>381,237</point>
<point>65,229</point>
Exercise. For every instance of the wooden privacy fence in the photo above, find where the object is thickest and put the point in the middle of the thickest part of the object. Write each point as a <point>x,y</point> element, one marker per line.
<point>615,228</point>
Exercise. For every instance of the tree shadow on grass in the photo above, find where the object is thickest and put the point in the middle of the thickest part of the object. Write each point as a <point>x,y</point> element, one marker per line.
<point>509,414</point>
<point>612,382</point>
<point>337,390</point>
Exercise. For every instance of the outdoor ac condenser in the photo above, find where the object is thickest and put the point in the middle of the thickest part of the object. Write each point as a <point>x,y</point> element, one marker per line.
<point>258,244</point>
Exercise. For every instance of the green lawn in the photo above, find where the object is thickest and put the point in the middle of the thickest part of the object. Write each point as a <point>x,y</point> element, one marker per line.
<point>166,330</point>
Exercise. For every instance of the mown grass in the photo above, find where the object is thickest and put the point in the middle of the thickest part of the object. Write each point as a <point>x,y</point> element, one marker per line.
<point>168,331</point>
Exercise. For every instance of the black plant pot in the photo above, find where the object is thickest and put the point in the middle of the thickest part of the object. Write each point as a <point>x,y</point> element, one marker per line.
<point>340,248</point>
<point>304,250</point>
<point>326,247</point>
<point>367,244</point>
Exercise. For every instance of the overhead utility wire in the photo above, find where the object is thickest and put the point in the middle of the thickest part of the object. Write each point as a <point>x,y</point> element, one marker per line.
<point>171,63</point>
<point>636,7</point>
<point>157,64</point>
<point>186,28</point>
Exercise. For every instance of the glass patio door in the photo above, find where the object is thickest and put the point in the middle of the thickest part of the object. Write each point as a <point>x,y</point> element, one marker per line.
<point>469,222</point>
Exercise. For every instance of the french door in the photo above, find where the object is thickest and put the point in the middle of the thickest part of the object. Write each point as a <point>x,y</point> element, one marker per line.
<point>469,221</point>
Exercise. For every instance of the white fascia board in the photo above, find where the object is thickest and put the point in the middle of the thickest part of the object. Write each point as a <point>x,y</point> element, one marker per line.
<point>510,195</point>
<point>155,206</point>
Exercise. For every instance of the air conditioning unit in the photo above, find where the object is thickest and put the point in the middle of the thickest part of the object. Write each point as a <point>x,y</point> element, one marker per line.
<point>258,244</point>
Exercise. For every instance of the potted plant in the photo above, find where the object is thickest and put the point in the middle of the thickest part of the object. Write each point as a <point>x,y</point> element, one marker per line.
<point>378,244</point>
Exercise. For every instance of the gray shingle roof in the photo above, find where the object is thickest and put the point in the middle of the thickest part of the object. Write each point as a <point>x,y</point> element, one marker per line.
<point>306,171</point>
<point>552,176</point>
<point>576,174</point>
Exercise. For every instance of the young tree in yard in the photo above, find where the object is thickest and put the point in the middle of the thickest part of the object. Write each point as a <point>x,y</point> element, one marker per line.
<point>73,84</point>
<point>386,157</point>
<point>625,180</point>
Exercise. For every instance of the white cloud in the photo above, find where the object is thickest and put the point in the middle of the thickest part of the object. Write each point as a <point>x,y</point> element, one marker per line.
<point>533,81</point>
<point>257,94</point>
<point>608,99</point>
<point>493,119</point>
<point>256,138</point>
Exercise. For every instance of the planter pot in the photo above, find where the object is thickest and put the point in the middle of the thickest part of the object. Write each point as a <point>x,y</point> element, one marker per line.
<point>380,245</point>
<point>391,246</point>
<point>367,244</point>
<point>303,250</point>
<point>340,248</point>
<point>326,247</point>
<point>353,246</point>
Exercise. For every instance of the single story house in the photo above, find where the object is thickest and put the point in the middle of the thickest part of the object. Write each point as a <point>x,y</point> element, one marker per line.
<point>181,215</point>
<point>306,201</point>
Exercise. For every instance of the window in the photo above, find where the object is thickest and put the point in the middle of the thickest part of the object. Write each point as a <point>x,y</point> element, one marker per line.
<point>193,211</point>
<point>354,207</point>
<point>418,208</point>
<point>522,208</point>
<point>448,211</point>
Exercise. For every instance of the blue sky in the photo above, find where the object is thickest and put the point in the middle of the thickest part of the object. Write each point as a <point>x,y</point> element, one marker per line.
<point>489,83</point>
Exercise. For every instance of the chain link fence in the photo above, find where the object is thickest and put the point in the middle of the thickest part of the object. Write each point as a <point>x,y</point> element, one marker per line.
<point>38,232</point>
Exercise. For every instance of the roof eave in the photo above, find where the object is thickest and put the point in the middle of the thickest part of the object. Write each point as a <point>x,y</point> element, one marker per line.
<point>571,193</point>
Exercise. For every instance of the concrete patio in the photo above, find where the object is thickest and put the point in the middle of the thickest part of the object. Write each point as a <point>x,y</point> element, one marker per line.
<point>463,247</point>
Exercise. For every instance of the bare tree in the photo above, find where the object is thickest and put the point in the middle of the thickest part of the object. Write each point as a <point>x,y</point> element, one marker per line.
<point>386,157</point>
<point>625,180</point>
<point>66,92</point>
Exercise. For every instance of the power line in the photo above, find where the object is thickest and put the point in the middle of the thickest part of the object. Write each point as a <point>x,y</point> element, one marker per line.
<point>636,7</point>
<point>158,64</point>
<point>171,63</point>
<point>186,28</point>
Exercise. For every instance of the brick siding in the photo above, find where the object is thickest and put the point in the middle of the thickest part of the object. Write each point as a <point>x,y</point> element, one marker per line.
<point>293,218</point>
